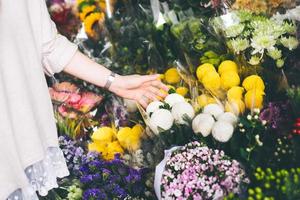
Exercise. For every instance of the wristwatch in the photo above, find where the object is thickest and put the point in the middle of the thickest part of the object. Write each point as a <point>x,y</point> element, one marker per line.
<point>109,81</point>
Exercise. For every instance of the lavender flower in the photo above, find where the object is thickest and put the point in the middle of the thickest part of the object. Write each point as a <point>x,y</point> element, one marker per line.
<point>114,178</point>
<point>94,194</point>
<point>198,172</point>
<point>276,114</point>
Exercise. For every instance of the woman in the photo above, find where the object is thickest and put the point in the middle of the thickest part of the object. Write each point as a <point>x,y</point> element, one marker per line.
<point>30,159</point>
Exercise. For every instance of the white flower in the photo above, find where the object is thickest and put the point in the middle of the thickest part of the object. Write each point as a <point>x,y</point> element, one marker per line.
<point>203,124</point>
<point>130,105</point>
<point>275,53</point>
<point>279,63</point>
<point>161,118</point>
<point>239,44</point>
<point>214,109</point>
<point>181,110</point>
<point>174,98</point>
<point>228,117</point>
<point>234,30</point>
<point>222,131</point>
<point>262,42</point>
<point>290,42</point>
<point>153,106</point>
<point>254,60</point>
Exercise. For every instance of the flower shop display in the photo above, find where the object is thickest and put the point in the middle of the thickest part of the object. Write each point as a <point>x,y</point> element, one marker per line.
<point>229,127</point>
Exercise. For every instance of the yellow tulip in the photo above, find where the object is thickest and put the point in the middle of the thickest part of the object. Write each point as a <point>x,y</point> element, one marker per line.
<point>172,76</point>
<point>203,69</point>
<point>235,106</point>
<point>226,66</point>
<point>103,134</point>
<point>254,99</point>
<point>211,81</point>
<point>182,91</point>
<point>254,82</point>
<point>235,93</point>
<point>229,79</point>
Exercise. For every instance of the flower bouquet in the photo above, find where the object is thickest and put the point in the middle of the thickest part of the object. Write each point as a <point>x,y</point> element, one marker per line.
<point>257,39</point>
<point>74,110</point>
<point>195,171</point>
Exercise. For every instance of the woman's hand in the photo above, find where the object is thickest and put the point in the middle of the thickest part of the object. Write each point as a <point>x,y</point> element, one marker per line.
<point>142,89</point>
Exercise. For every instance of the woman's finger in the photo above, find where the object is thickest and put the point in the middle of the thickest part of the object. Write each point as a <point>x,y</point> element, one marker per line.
<point>147,78</point>
<point>157,91</point>
<point>158,84</point>
<point>143,101</point>
<point>151,96</point>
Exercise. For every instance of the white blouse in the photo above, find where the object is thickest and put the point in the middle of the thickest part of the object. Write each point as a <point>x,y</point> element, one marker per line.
<point>29,46</point>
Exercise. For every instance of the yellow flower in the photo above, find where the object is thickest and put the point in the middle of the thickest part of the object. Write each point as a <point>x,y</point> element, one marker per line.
<point>229,79</point>
<point>254,99</point>
<point>226,66</point>
<point>137,130</point>
<point>86,10</point>
<point>171,87</point>
<point>172,76</point>
<point>78,2</point>
<point>203,69</point>
<point>161,77</point>
<point>103,134</point>
<point>112,149</point>
<point>182,91</point>
<point>204,100</point>
<point>98,147</point>
<point>90,20</point>
<point>102,6</point>
<point>254,82</point>
<point>235,106</point>
<point>212,81</point>
<point>130,138</point>
<point>235,93</point>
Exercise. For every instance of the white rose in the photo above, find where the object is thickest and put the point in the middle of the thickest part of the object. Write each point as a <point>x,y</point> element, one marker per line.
<point>174,98</point>
<point>130,105</point>
<point>213,109</point>
<point>203,124</point>
<point>182,109</point>
<point>222,131</point>
<point>153,106</point>
<point>161,118</point>
<point>228,117</point>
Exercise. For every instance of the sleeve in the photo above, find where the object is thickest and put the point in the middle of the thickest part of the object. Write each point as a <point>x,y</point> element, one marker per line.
<point>57,50</point>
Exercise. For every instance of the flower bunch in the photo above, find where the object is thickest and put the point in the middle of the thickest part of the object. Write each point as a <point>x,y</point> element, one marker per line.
<point>278,184</point>
<point>198,172</point>
<point>172,77</point>
<point>71,100</point>
<point>110,180</point>
<point>162,115</point>
<point>227,80</point>
<point>74,154</point>
<point>262,6</point>
<point>214,120</point>
<point>109,142</point>
<point>65,18</point>
<point>91,13</point>
<point>257,37</point>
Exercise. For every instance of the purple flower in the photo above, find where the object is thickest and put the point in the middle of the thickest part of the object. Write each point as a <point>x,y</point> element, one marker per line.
<point>197,171</point>
<point>276,114</point>
<point>94,194</point>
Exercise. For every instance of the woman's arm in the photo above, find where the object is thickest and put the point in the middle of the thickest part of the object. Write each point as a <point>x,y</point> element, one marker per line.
<point>139,88</point>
